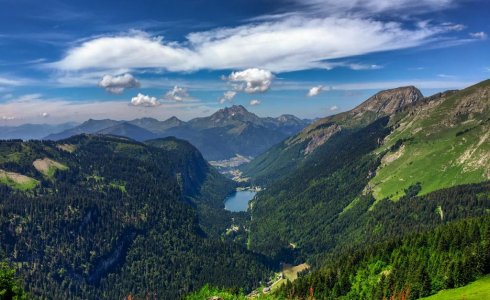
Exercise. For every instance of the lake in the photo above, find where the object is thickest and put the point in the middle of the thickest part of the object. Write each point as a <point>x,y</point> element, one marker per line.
<point>238,201</point>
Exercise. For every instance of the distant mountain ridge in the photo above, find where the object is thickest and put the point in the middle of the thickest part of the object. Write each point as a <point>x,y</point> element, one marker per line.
<point>222,135</point>
<point>33,131</point>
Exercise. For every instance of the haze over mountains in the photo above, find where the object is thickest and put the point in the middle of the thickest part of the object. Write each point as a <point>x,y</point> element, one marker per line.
<point>224,134</point>
<point>32,131</point>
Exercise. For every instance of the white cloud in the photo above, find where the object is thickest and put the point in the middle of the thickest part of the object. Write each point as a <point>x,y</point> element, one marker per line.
<point>177,94</point>
<point>44,115</point>
<point>8,118</point>
<point>454,27</point>
<point>11,82</point>
<point>227,97</point>
<point>117,84</point>
<point>364,67</point>
<point>334,108</point>
<point>252,80</point>
<point>314,91</point>
<point>144,100</point>
<point>370,7</point>
<point>284,44</point>
<point>479,35</point>
<point>446,76</point>
<point>254,102</point>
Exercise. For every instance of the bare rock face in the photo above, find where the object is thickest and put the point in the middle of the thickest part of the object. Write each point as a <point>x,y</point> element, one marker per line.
<point>474,103</point>
<point>320,137</point>
<point>388,102</point>
<point>384,103</point>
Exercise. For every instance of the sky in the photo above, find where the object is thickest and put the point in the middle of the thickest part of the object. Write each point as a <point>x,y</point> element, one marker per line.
<point>63,61</point>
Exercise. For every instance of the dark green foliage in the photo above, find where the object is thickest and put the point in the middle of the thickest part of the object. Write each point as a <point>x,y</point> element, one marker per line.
<point>10,286</point>
<point>302,208</point>
<point>121,220</point>
<point>418,265</point>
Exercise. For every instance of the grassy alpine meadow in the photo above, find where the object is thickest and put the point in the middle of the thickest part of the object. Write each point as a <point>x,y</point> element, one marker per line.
<point>440,144</point>
<point>477,290</point>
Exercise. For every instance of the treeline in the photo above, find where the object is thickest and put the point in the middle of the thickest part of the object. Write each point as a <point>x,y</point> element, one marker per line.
<point>418,265</point>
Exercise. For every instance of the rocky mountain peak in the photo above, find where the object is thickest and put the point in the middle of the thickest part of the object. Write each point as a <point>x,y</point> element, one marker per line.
<point>233,112</point>
<point>389,101</point>
<point>173,120</point>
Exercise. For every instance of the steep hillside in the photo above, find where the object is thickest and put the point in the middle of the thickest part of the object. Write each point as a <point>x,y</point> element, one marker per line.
<point>416,266</point>
<point>283,158</point>
<point>204,187</point>
<point>440,142</point>
<point>110,217</point>
<point>414,148</point>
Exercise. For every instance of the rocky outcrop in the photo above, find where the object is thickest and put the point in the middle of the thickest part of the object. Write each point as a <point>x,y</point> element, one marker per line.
<point>388,102</point>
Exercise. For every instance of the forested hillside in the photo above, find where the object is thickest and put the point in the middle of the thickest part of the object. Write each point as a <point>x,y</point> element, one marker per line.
<point>339,172</point>
<point>412,267</point>
<point>399,167</point>
<point>105,217</point>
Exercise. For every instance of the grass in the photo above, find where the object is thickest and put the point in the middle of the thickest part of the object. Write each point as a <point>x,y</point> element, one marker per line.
<point>212,293</point>
<point>477,290</point>
<point>17,181</point>
<point>290,273</point>
<point>48,167</point>
<point>435,154</point>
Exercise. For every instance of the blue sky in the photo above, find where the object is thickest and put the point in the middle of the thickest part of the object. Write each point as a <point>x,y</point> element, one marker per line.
<point>73,60</point>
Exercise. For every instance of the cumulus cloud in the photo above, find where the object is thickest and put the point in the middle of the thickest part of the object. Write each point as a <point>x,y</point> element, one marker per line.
<point>227,97</point>
<point>177,94</point>
<point>283,44</point>
<point>44,115</point>
<point>479,35</point>
<point>252,80</point>
<point>334,108</point>
<point>117,84</point>
<point>8,118</point>
<point>254,102</point>
<point>314,91</point>
<point>144,100</point>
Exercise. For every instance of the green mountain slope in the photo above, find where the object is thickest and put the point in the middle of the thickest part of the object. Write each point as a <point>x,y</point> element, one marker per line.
<point>440,142</point>
<point>120,218</point>
<point>286,157</point>
<point>480,289</point>
<point>320,199</point>
<point>415,266</point>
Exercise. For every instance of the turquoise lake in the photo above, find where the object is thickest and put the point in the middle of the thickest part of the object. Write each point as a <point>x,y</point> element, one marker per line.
<point>238,201</point>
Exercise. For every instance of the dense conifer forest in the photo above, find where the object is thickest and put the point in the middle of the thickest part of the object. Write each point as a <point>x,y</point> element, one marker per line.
<point>119,218</point>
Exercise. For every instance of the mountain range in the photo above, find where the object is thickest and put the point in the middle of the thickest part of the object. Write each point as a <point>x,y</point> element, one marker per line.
<point>32,131</point>
<point>228,132</point>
